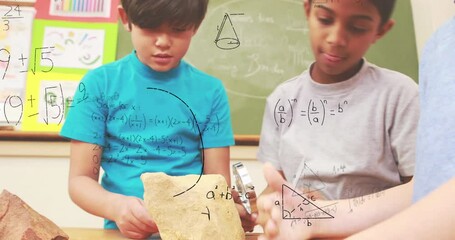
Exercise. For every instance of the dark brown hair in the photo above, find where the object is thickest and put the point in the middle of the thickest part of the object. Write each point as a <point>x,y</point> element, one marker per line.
<point>385,7</point>
<point>177,13</point>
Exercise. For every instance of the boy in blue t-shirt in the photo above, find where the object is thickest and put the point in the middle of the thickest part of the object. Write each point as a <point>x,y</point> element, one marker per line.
<point>147,112</point>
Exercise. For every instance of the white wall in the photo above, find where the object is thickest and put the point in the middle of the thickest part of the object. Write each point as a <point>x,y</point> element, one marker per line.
<point>428,16</point>
<point>42,184</point>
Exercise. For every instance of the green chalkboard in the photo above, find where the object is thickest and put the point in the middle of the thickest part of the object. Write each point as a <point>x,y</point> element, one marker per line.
<point>254,45</point>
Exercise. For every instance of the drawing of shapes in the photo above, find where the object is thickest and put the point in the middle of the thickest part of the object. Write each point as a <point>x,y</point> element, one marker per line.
<point>74,48</point>
<point>227,38</point>
<point>296,206</point>
<point>80,8</point>
<point>58,40</point>
<point>306,180</point>
<point>88,44</point>
<point>53,99</point>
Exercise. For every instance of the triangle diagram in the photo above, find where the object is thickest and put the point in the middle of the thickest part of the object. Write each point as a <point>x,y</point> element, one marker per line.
<point>296,206</point>
<point>306,181</point>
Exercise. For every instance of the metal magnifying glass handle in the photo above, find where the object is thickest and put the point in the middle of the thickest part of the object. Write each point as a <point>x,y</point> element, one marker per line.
<point>245,187</point>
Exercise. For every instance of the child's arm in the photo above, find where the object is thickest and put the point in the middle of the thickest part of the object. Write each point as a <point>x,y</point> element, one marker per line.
<point>216,161</point>
<point>269,189</point>
<point>431,218</point>
<point>129,213</point>
<point>403,130</point>
<point>373,209</point>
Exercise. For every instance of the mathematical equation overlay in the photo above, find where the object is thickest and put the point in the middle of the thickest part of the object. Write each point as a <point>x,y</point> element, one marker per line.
<point>314,111</point>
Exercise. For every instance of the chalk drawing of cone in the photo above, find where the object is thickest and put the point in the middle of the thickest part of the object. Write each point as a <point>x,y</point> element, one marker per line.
<point>227,38</point>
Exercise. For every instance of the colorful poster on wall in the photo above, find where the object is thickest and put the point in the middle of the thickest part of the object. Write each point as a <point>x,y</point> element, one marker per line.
<point>74,47</point>
<point>15,38</point>
<point>78,10</point>
<point>69,39</point>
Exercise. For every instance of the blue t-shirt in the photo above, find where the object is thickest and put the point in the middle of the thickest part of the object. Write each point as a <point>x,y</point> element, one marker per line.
<point>148,121</point>
<point>435,161</point>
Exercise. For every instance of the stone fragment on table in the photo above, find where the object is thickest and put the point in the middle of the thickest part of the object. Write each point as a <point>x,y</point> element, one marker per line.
<point>186,208</point>
<point>18,221</point>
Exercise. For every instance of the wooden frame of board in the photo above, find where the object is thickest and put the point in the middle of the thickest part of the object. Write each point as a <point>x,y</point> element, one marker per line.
<point>20,3</point>
<point>10,135</point>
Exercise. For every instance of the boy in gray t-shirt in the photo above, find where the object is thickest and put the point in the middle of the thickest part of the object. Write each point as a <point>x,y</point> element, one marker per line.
<point>392,214</point>
<point>344,127</point>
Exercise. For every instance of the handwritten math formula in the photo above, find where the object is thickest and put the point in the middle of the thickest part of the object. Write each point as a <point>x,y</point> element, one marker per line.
<point>134,117</point>
<point>12,13</point>
<point>314,111</point>
<point>11,16</point>
<point>223,195</point>
<point>164,145</point>
<point>52,108</point>
<point>40,54</point>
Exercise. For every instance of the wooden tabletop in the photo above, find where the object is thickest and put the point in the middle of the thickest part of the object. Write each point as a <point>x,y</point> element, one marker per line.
<point>103,234</point>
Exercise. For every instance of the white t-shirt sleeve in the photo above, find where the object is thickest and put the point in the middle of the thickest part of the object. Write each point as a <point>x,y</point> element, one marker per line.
<point>269,140</point>
<point>404,128</point>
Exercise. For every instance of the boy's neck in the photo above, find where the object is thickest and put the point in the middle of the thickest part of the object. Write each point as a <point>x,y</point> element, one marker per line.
<point>155,73</point>
<point>320,76</point>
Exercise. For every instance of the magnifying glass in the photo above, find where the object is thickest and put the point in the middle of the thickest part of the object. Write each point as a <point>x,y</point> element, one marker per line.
<point>244,187</point>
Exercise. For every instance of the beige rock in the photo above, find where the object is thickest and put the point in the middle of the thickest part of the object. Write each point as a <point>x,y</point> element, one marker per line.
<point>20,221</point>
<point>206,211</point>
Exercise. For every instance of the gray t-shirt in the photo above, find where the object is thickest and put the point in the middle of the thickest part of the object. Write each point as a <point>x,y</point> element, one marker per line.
<point>435,163</point>
<point>344,139</point>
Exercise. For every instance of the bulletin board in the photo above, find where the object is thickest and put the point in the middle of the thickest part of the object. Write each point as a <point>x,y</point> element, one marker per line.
<point>46,48</point>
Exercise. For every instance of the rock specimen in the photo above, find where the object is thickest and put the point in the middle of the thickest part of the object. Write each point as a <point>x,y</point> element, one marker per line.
<point>183,212</point>
<point>18,221</point>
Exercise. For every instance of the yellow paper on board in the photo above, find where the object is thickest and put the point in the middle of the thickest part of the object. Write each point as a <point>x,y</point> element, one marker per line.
<point>47,100</point>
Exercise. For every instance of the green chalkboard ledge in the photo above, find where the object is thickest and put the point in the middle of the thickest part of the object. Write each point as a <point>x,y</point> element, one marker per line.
<point>7,134</point>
